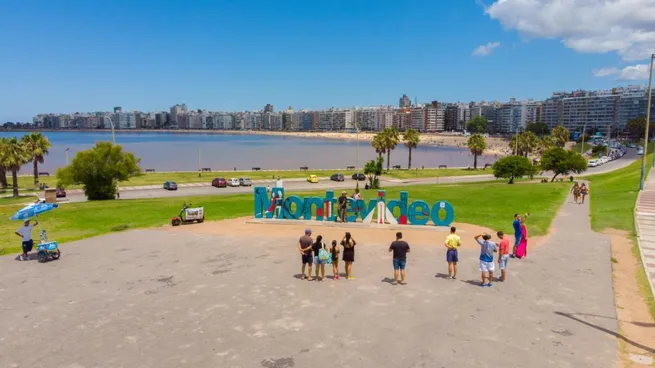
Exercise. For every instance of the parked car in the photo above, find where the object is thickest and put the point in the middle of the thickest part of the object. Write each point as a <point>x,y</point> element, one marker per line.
<point>219,183</point>
<point>593,163</point>
<point>233,182</point>
<point>640,151</point>
<point>312,178</point>
<point>337,177</point>
<point>632,145</point>
<point>359,177</point>
<point>61,193</point>
<point>170,185</point>
<point>245,182</point>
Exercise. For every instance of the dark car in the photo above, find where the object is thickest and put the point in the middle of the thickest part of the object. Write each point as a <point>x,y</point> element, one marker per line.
<point>337,177</point>
<point>219,183</point>
<point>170,185</point>
<point>359,177</point>
<point>61,193</point>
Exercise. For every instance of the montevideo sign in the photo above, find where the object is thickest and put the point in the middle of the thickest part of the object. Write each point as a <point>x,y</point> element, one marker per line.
<point>418,212</point>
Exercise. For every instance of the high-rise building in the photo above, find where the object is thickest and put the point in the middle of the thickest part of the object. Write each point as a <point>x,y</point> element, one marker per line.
<point>334,119</point>
<point>118,109</point>
<point>268,108</point>
<point>405,102</point>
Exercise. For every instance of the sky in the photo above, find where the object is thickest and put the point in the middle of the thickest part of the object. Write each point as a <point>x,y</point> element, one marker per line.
<point>77,55</point>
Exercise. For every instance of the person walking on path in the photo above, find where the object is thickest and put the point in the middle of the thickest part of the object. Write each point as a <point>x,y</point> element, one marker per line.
<point>517,233</point>
<point>452,243</point>
<point>503,255</point>
<point>335,251</point>
<point>305,248</point>
<point>576,192</point>
<point>584,191</point>
<point>25,232</point>
<point>400,248</point>
<point>343,205</point>
<point>348,244</point>
<point>522,250</point>
<point>487,249</point>
<point>320,257</point>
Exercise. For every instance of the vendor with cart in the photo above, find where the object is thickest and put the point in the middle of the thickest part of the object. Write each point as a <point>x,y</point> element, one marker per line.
<point>25,232</point>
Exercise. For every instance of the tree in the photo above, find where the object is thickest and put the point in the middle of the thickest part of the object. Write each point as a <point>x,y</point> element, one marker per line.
<point>36,145</point>
<point>99,170</point>
<point>13,157</point>
<point>378,144</point>
<point>513,167</point>
<point>390,139</point>
<point>412,139</point>
<point>477,125</point>
<point>540,129</point>
<point>373,169</point>
<point>476,145</point>
<point>562,162</point>
<point>545,143</point>
<point>3,169</point>
<point>527,143</point>
<point>560,136</point>
<point>637,128</point>
<point>599,150</point>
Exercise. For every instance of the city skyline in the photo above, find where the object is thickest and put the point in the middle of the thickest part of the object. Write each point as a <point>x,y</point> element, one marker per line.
<point>77,56</point>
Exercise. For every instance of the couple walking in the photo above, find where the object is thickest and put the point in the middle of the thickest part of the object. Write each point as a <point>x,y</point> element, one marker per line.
<point>323,255</point>
<point>579,192</point>
<point>520,249</point>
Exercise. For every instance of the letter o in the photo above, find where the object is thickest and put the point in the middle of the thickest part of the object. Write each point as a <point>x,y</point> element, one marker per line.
<point>300,205</point>
<point>450,213</point>
<point>417,213</point>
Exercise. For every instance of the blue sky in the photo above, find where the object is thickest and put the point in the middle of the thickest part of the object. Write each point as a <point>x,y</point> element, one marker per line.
<point>71,55</point>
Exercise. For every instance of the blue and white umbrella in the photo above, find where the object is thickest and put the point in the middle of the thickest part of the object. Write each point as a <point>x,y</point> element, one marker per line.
<point>33,210</point>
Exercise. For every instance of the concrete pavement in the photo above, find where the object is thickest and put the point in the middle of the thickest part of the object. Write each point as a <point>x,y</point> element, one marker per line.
<point>645,224</point>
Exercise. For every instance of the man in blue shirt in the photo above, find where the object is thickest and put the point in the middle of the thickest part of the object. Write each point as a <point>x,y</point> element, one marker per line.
<point>487,249</point>
<point>517,233</point>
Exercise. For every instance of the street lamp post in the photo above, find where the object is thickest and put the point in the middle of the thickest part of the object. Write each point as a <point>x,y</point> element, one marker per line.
<point>113,136</point>
<point>67,149</point>
<point>648,107</point>
<point>584,130</point>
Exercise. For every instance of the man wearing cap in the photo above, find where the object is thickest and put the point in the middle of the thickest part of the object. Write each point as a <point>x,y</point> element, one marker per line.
<point>25,232</point>
<point>305,248</point>
<point>343,203</point>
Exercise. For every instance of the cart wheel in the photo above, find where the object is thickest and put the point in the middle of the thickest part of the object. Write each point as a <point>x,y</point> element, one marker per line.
<point>56,254</point>
<point>202,219</point>
<point>42,256</point>
<point>176,222</point>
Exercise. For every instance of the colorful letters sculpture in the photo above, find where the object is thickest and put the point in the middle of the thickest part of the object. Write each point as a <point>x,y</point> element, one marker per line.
<point>416,213</point>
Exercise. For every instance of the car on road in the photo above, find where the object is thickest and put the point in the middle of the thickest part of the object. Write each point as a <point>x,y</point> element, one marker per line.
<point>219,183</point>
<point>245,182</point>
<point>359,177</point>
<point>233,182</point>
<point>640,151</point>
<point>170,185</point>
<point>632,145</point>
<point>593,163</point>
<point>60,193</point>
<point>337,177</point>
<point>312,178</point>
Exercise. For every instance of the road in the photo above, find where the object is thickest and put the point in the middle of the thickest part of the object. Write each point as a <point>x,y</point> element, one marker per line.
<point>300,184</point>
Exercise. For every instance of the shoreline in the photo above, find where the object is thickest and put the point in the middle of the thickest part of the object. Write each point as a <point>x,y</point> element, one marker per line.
<point>495,146</point>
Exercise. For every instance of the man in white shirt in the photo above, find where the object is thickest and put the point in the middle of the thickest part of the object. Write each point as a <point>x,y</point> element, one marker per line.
<point>25,232</point>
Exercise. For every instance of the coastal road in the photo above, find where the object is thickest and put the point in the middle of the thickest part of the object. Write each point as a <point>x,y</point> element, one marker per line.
<point>200,189</point>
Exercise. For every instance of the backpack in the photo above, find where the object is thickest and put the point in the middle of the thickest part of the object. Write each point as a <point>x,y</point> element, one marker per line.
<point>323,254</point>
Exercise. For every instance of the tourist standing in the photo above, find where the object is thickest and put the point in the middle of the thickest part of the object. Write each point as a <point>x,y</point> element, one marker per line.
<point>25,232</point>
<point>319,257</point>
<point>348,244</point>
<point>503,254</point>
<point>584,191</point>
<point>305,247</point>
<point>517,233</point>
<point>452,243</point>
<point>400,248</point>
<point>335,251</point>
<point>576,192</point>
<point>343,205</point>
<point>522,250</point>
<point>487,249</point>
<point>356,196</point>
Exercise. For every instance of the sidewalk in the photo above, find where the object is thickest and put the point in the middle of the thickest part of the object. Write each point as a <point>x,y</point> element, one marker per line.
<point>645,224</point>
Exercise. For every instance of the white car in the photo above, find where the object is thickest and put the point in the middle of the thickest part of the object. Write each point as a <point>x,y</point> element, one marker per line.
<point>593,163</point>
<point>604,159</point>
<point>233,182</point>
<point>640,151</point>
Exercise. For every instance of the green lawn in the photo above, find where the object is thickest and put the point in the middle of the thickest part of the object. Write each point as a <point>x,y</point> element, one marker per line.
<point>434,173</point>
<point>487,204</point>
<point>578,146</point>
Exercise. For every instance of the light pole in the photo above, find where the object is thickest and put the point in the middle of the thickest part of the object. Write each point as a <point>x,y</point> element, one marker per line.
<point>67,149</point>
<point>584,130</point>
<point>113,137</point>
<point>648,107</point>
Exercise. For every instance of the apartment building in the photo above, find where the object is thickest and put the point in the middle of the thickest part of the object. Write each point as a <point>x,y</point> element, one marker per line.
<point>336,120</point>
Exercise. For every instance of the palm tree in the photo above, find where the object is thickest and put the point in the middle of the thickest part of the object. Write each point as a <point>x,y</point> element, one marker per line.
<point>377,144</point>
<point>412,139</point>
<point>390,139</point>
<point>3,169</point>
<point>476,145</point>
<point>545,143</point>
<point>36,145</point>
<point>560,136</point>
<point>14,156</point>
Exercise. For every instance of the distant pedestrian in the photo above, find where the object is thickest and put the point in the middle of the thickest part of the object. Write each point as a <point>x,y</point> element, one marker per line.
<point>343,206</point>
<point>400,248</point>
<point>576,192</point>
<point>452,243</point>
<point>335,251</point>
<point>305,244</point>
<point>584,191</point>
<point>25,232</point>
<point>517,233</point>
<point>348,244</point>
<point>320,257</point>
<point>487,249</point>
<point>522,250</point>
<point>356,196</point>
<point>503,255</point>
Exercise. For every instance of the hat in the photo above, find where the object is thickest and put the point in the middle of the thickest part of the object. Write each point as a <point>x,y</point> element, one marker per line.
<point>308,231</point>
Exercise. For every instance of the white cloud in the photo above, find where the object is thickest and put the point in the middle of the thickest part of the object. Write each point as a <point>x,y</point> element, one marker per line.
<point>485,50</point>
<point>592,26</point>
<point>629,73</point>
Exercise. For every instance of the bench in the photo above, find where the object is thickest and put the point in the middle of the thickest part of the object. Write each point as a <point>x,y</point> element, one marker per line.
<point>256,169</point>
<point>45,173</point>
<point>397,167</point>
<point>350,168</point>
<point>304,168</point>
<point>150,170</point>
<point>443,166</point>
<point>206,169</point>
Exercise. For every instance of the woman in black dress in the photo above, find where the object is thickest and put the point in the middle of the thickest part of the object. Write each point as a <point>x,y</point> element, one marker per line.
<point>349,243</point>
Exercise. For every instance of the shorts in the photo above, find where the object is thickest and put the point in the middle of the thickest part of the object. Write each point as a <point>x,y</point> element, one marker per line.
<point>502,264</point>
<point>399,264</point>
<point>318,261</point>
<point>307,259</point>
<point>486,266</point>
<point>517,240</point>
<point>27,246</point>
<point>451,256</point>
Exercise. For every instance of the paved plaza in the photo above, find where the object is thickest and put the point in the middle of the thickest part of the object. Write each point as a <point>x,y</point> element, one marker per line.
<point>179,298</point>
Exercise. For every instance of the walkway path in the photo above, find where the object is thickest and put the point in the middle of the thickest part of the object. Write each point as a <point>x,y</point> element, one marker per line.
<point>645,221</point>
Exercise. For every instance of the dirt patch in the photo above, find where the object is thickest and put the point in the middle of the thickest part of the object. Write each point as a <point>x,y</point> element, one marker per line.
<point>636,325</point>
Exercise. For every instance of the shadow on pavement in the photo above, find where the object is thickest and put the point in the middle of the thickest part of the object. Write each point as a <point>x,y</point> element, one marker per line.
<point>441,276</point>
